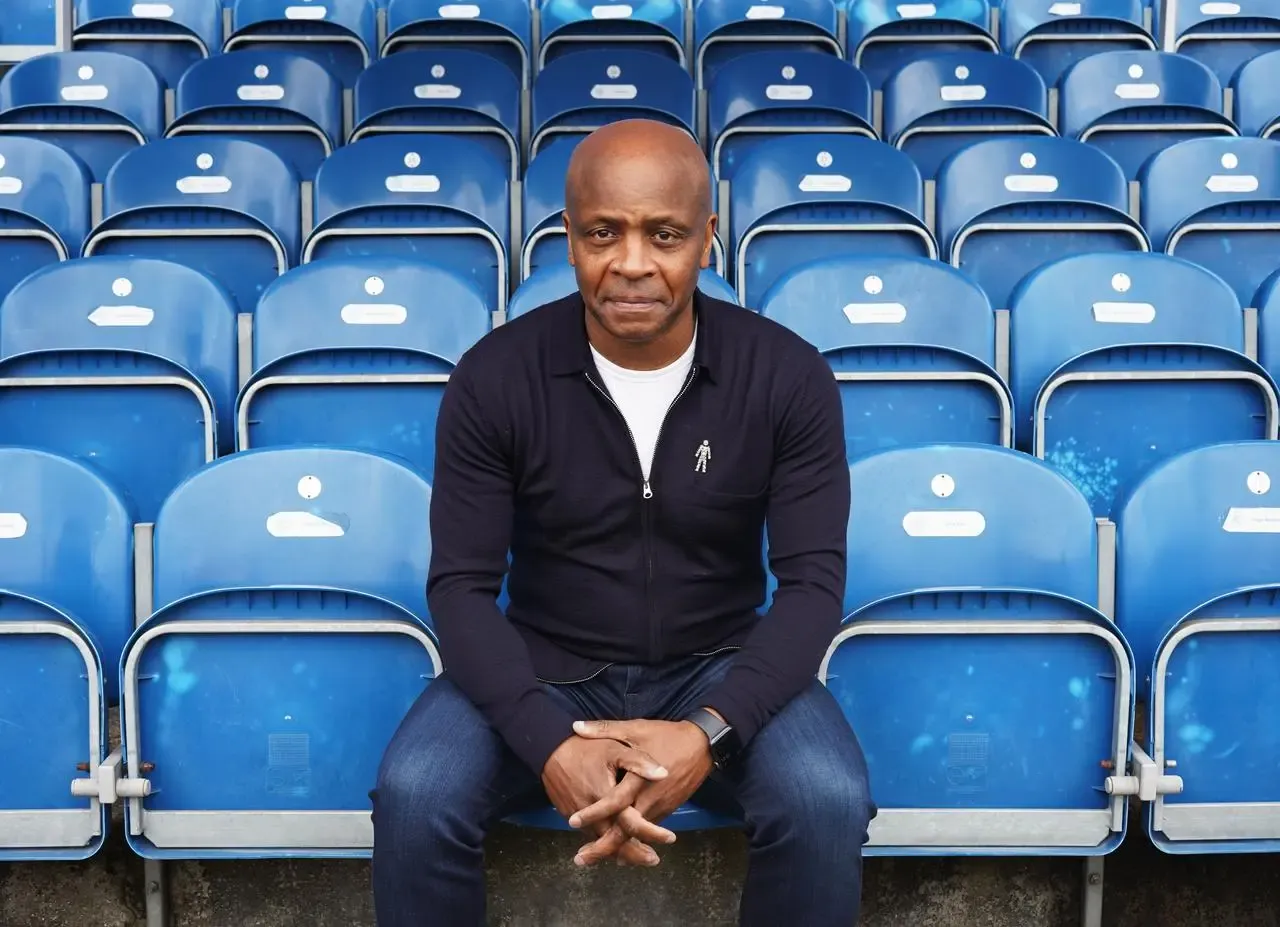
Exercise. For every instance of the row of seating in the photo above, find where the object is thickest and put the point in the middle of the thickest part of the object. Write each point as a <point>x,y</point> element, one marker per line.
<point>346,36</point>
<point>282,633</point>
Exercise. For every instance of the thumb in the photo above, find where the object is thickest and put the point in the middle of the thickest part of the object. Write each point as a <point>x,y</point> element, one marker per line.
<point>603,730</point>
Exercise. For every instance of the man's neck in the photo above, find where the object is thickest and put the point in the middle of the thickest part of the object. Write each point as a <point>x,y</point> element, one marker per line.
<point>648,355</point>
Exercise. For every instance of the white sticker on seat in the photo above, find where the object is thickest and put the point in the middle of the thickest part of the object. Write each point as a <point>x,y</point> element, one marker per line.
<point>1232,183</point>
<point>766,11</point>
<point>1065,9</point>
<point>122,316</point>
<point>12,525</point>
<point>256,93</point>
<point>611,11</point>
<point>963,93</point>
<point>152,11</point>
<point>875,313</point>
<point>305,12</point>
<point>788,92</point>
<point>1219,8</point>
<point>1249,520</point>
<point>437,92</point>
<point>1138,91</point>
<point>958,524</point>
<point>302,525</point>
<point>197,185</point>
<point>413,183</point>
<point>1031,183</point>
<point>614,92</point>
<point>9,186</point>
<point>1124,313</point>
<point>459,11</point>
<point>917,10</point>
<point>84,93</point>
<point>825,183</point>
<point>374,314</point>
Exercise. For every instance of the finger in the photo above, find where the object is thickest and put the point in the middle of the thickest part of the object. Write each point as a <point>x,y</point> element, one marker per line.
<point>622,796</point>
<point>602,848</point>
<point>640,763</point>
<point>603,730</point>
<point>635,853</point>
<point>634,824</point>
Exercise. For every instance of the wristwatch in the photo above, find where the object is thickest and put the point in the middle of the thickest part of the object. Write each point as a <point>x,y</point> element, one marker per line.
<point>723,740</point>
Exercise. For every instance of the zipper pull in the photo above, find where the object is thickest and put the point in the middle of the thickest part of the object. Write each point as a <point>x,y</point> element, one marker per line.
<point>648,493</point>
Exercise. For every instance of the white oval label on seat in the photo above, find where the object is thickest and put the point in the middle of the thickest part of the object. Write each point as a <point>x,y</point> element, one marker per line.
<point>374,314</point>
<point>1219,8</point>
<point>614,92</point>
<point>1065,9</point>
<point>766,11</point>
<point>958,524</point>
<point>12,525</point>
<point>193,186</point>
<point>1146,91</point>
<point>301,525</point>
<point>963,93</point>
<point>152,11</point>
<point>305,12</point>
<point>917,10</point>
<point>612,11</point>
<point>875,313</point>
<point>437,91</point>
<point>413,183</point>
<point>257,93</point>
<point>84,93</point>
<point>9,186</point>
<point>459,11</point>
<point>825,183</point>
<point>1124,313</point>
<point>122,316</point>
<point>1232,183</point>
<point>788,92</point>
<point>1248,520</point>
<point>1031,183</point>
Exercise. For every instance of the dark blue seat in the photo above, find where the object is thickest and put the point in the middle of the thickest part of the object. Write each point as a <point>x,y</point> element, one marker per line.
<point>1257,105</point>
<point>884,37</point>
<point>44,206</point>
<point>169,36</point>
<point>572,25</point>
<point>723,29</point>
<point>340,35</point>
<point>1053,36</point>
<point>499,29</point>
<point>1222,35</point>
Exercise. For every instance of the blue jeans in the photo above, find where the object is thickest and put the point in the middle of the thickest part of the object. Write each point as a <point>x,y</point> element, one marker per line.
<point>800,787</point>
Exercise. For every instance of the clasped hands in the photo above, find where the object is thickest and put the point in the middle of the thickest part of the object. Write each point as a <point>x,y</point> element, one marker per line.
<point>661,764</point>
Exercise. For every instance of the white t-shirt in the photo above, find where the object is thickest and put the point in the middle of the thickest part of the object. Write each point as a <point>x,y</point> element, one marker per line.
<point>644,397</point>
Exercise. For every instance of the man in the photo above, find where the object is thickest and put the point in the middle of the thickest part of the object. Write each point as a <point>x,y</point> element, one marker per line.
<point>627,445</point>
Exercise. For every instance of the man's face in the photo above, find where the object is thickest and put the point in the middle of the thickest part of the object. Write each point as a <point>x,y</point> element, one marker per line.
<point>639,232</point>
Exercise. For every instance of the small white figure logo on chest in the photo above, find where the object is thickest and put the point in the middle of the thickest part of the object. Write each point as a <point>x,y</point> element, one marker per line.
<point>703,456</point>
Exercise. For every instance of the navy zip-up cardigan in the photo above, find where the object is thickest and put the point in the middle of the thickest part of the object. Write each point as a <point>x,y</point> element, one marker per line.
<point>533,458</point>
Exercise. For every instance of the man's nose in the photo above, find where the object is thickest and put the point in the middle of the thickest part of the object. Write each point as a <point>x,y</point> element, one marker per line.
<point>634,257</point>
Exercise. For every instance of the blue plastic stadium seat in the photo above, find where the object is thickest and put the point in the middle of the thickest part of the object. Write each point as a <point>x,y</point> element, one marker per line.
<point>1052,35</point>
<point>1267,302</point>
<point>500,29</point>
<point>346,353</point>
<point>1216,201</point>
<point>127,363</point>
<point>281,100</point>
<point>1257,104</point>
<point>556,281</point>
<point>66,608</point>
<point>885,36</point>
<point>44,206</point>
<point>912,342</point>
<point>977,580</point>
<point>226,207</point>
<point>578,93</point>
<point>935,106</point>
<point>571,25</point>
<point>96,105</point>
<point>759,94</point>
<point>443,200</point>
<point>803,197</point>
<point>272,568</point>
<point>1133,104</point>
<point>1224,35</point>
<point>169,36</point>
<point>442,91</point>
<point>340,35</point>
<point>723,29</point>
<point>1007,206</point>
<point>1119,361</point>
<point>1196,594</point>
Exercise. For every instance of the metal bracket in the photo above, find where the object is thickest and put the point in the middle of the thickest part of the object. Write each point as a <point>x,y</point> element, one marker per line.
<point>1148,784</point>
<point>108,784</point>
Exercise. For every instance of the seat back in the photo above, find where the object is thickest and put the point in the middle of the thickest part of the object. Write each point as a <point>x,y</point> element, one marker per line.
<point>569,26</point>
<point>502,30</point>
<point>556,281</point>
<point>442,91</point>
<point>802,197</point>
<point>935,106</point>
<point>723,29</point>
<point>168,37</point>
<point>1223,35</point>
<point>1257,110</point>
<point>883,37</point>
<point>1052,37</point>
<point>1007,206</point>
<point>759,94</point>
<point>577,94</point>
<point>443,198</point>
<point>1133,104</point>
<point>341,35</point>
<point>1216,201</point>
<point>281,100</point>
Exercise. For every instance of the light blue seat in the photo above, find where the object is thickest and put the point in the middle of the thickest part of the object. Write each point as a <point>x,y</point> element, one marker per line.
<point>127,363</point>
<point>500,29</point>
<point>556,281</point>
<point>578,93</point>
<point>1267,302</point>
<point>1216,201</point>
<point>1007,206</point>
<point>1196,588</point>
<point>1134,104</point>
<point>935,106</point>
<point>444,200</point>
<point>1052,36</point>
<point>280,100</point>
<point>96,105</point>
<point>977,582</point>
<point>758,94</point>
<point>723,29</point>
<point>803,197</point>
<point>442,91</point>
<point>340,35</point>
<point>1119,361</point>
<point>1257,105</point>
<point>227,207</point>
<point>912,342</point>
<point>1223,35</point>
<point>169,36</point>
<point>884,36</point>
<point>260,732</point>
<point>66,608</point>
<point>44,206</point>
<point>346,353</point>
<point>572,25</point>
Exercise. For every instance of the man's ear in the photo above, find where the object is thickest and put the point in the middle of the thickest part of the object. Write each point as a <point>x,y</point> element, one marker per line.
<point>568,231</point>
<point>708,240</point>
